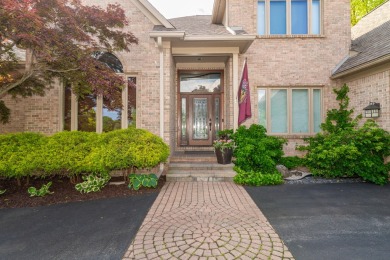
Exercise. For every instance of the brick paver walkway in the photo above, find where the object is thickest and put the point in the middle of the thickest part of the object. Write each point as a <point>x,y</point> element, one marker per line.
<point>206,220</point>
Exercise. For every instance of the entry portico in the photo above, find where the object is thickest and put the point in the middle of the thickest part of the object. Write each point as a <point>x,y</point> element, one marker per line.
<point>205,66</point>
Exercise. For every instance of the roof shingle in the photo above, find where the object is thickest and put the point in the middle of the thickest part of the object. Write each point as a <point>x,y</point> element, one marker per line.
<point>370,46</point>
<point>370,39</point>
<point>198,25</point>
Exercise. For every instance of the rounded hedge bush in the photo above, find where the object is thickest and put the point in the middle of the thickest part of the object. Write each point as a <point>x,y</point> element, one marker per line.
<point>18,154</point>
<point>64,153</point>
<point>73,153</point>
<point>127,148</point>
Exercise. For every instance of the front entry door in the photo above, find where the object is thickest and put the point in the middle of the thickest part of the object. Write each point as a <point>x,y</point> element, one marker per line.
<point>200,123</point>
<point>199,108</point>
<point>203,120</point>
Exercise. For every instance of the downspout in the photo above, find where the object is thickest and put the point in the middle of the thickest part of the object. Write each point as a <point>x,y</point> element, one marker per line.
<point>161,49</point>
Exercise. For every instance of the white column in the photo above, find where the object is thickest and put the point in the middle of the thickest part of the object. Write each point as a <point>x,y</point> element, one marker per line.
<point>161,48</point>
<point>74,113</point>
<point>99,114</point>
<point>235,90</point>
<point>61,104</point>
<point>125,106</point>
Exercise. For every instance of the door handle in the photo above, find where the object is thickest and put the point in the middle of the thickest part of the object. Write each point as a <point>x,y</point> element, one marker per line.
<point>210,125</point>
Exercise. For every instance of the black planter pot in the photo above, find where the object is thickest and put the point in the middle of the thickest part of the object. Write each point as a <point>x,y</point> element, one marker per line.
<point>224,157</point>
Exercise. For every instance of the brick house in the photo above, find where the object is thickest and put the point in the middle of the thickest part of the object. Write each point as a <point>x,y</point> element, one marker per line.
<point>183,76</point>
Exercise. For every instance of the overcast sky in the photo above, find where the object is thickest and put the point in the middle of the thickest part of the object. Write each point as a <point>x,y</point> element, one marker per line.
<point>178,8</point>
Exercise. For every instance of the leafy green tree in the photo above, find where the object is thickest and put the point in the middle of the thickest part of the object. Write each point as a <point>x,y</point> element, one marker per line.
<point>60,38</point>
<point>360,8</point>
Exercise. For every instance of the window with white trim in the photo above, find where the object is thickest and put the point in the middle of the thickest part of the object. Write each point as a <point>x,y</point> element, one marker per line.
<point>289,17</point>
<point>95,113</point>
<point>290,110</point>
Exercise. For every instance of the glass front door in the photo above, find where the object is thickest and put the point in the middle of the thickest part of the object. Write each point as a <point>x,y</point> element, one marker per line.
<point>199,108</point>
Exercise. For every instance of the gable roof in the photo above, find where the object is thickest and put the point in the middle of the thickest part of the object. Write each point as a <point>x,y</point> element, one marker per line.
<point>371,47</point>
<point>152,13</point>
<point>199,25</point>
<point>200,31</point>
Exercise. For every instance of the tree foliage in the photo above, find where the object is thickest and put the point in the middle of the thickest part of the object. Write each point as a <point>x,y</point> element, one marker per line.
<point>59,38</point>
<point>360,8</point>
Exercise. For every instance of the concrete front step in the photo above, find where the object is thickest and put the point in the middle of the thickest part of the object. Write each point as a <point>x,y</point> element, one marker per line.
<point>200,166</point>
<point>193,159</point>
<point>200,172</point>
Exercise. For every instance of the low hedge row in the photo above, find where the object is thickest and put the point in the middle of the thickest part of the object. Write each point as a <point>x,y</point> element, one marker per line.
<point>73,153</point>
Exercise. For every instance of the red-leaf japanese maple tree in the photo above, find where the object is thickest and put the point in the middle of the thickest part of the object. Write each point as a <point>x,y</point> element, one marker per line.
<point>59,37</point>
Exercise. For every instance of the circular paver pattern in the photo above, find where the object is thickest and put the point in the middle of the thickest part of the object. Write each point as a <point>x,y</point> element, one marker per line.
<point>207,230</point>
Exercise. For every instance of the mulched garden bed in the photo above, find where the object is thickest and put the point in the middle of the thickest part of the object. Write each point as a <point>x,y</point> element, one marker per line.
<point>64,191</point>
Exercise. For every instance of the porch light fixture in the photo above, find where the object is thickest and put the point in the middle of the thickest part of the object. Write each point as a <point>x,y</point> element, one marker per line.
<point>372,110</point>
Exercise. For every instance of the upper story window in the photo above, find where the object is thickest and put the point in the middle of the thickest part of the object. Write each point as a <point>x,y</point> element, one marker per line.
<point>286,17</point>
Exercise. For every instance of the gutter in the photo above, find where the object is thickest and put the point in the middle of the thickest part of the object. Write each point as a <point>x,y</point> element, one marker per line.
<point>220,38</point>
<point>167,34</point>
<point>363,66</point>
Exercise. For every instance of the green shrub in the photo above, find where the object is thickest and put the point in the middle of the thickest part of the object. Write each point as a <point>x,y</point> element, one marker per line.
<point>18,153</point>
<point>340,119</point>
<point>136,181</point>
<point>2,192</point>
<point>255,151</point>
<point>252,178</point>
<point>292,162</point>
<point>92,183</point>
<point>128,148</point>
<point>344,149</point>
<point>43,191</point>
<point>74,153</point>
<point>65,152</point>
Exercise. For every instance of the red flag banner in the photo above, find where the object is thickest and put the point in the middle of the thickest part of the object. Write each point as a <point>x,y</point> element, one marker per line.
<point>244,100</point>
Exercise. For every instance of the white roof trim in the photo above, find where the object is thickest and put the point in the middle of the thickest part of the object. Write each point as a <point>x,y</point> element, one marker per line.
<point>363,66</point>
<point>220,38</point>
<point>152,13</point>
<point>218,11</point>
<point>167,34</point>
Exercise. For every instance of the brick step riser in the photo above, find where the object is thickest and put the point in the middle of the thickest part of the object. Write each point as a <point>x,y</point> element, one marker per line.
<point>200,172</point>
<point>192,169</point>
<point>193,160</point>
<point>199,179</point>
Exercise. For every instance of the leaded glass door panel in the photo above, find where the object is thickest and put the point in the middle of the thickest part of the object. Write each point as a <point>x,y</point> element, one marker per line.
<point>200,120</point>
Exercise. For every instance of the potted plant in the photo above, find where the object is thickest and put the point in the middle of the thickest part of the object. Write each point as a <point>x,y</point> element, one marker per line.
<point>224,146</point>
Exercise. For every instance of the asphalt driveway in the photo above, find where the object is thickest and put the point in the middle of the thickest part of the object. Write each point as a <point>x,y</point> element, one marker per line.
<point>329,221</point>
<point>101,229</point>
